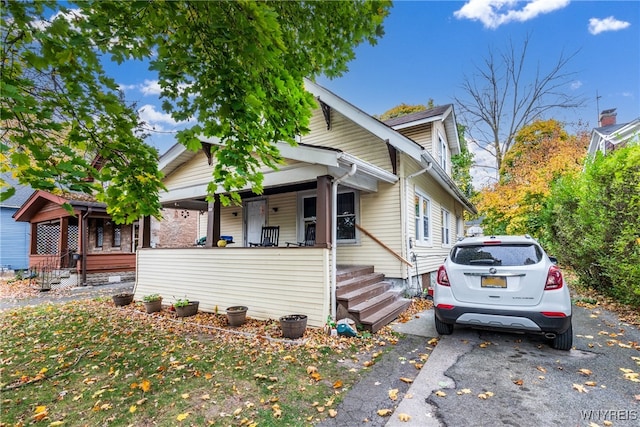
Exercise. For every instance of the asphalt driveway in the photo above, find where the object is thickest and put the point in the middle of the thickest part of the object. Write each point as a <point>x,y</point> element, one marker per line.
<point>484,378</point>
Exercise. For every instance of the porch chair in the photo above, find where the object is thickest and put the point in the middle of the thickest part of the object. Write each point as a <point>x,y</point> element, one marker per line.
<point>268,237</point>
<point>309,236</point>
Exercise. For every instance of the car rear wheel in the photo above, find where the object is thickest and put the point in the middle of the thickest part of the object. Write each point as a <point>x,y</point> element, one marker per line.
<point>563,341</point>
<point>443,328</point>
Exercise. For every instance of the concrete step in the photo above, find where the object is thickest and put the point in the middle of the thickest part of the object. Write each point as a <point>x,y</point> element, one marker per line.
<point>350,299</point>
<point>372,305</point>
<point>346,272</point>
<point>376,321</point>
<point>358,282</point>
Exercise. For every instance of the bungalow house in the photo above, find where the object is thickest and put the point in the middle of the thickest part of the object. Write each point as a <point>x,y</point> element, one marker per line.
<point>61,251</point>
<point>362,213</point>
<point>611,135</point>
<point>83,247</point>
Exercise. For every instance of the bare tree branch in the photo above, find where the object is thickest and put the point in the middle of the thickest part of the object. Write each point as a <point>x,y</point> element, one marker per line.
<point>501,96</point>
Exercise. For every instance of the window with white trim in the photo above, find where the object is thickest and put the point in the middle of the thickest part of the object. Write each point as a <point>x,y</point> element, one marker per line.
<point>445,227</point>
<point>442,155</point>
<point>422,218</point>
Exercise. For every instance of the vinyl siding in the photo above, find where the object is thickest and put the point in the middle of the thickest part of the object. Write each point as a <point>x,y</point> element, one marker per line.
<point>271,282</point>
<point>380,216</point>
<point>429,257</point>
<point>422,134</point>
<point>348,137</point>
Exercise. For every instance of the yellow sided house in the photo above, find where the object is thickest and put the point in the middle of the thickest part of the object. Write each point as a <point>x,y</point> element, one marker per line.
<point>360,216</point>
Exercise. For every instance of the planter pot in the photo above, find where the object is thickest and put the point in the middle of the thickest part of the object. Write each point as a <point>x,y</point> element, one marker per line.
<point>153,306</point>
<point>237,315</point>
<point>121,300</point>
<point>188,310</point>
<point>293,325</point>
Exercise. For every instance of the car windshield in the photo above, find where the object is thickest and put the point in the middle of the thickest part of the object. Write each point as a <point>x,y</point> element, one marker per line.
<point>504,255</point>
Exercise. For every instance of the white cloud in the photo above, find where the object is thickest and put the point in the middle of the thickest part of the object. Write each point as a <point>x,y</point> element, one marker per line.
<point>153,117</point>
<point>597,26</point>
<point>483,171</point>
<point>126,87</point>
<point>576,85</point>
<point>493,13</point>
<point>150,87</point>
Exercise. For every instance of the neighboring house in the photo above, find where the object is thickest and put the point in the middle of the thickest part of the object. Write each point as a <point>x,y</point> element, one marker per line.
<point>105,252</point>
<point>610,135</point>
<point>380,199</point>
<point>14,236</point>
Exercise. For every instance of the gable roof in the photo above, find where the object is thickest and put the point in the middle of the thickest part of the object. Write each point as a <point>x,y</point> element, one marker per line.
<point>393,137</point>
<point>443,113</point>
<point>40,198</point>
<point>178,155</point>
<point>614,134</point>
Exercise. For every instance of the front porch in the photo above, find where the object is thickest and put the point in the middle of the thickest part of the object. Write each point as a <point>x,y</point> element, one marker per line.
<point>271,282</point>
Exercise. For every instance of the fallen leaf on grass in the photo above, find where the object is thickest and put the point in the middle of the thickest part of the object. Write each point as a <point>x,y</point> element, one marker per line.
<point>56,424</point>
<point>132,409</point>
<point>40,413</point>
<point>182,417</point>
<point>185,395</point>
<point>337,384</point>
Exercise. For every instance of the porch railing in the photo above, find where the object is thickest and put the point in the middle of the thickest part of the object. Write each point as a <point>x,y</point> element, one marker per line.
<point>50,269</point>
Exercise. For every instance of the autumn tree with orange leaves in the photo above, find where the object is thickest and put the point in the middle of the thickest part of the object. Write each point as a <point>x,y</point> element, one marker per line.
<point>542,152</point>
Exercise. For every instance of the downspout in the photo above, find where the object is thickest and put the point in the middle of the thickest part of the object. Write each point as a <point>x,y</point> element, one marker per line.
<point>406,224</point>
<point>334,235</point>
<point>85,245</point>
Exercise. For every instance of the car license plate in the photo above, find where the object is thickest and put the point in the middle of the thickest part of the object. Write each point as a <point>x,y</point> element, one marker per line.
<point>493,282</point>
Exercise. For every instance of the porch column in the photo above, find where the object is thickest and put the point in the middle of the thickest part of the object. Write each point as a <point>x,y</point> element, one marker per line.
<point>146,232</point>
<point>323,211</point>
<point>213,222</point>
<point>63,244</point>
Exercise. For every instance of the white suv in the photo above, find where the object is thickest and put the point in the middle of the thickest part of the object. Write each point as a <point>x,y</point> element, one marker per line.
<point>503,282</point>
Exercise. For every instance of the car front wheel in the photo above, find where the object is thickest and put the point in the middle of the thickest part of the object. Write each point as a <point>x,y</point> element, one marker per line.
<point>443,328</point>
<point>562,341</point>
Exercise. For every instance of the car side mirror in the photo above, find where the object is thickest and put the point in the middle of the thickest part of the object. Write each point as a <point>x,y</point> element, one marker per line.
<point>553,259</point>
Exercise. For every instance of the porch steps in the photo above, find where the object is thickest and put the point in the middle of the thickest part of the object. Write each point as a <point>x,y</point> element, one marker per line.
<point>367,298</point>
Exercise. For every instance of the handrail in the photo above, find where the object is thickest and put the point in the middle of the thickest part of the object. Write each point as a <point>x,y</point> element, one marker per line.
<point>378,241</point>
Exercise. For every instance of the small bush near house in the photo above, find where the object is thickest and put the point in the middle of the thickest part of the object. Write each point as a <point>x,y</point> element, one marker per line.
<point>592,224</point>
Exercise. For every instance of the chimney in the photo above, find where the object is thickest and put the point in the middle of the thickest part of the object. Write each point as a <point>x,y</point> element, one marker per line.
<point>608,117</point>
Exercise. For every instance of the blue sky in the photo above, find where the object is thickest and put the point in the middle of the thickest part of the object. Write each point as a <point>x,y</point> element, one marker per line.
<point>429,46</point>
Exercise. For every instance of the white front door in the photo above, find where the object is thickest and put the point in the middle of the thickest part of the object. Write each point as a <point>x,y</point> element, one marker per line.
<point>256,218</point>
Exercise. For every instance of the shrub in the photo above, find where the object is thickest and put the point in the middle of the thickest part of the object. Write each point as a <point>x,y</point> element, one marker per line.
<point>592,224</point>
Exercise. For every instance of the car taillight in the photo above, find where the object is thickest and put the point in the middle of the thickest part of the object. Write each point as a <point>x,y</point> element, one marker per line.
<point>553,314</point>
<point>554,279</point>
<point>446,306</point>
<point>442,277</point>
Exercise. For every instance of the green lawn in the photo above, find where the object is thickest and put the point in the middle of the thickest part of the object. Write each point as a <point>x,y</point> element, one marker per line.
<point>89,363</point>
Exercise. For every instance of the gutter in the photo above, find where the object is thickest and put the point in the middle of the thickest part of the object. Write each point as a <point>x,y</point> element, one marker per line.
<point>85,245</point>
<point>334,235</point>
<point>406,223</point>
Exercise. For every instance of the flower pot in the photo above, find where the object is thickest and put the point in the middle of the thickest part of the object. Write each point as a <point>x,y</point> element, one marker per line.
<point>190,309</point>
<point>237,315</point>
<point>293,325</point>
<point>153,306</point>
<point>121,300</point>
